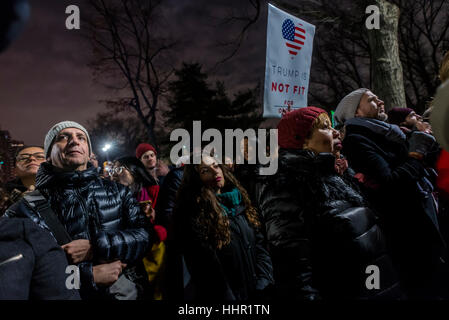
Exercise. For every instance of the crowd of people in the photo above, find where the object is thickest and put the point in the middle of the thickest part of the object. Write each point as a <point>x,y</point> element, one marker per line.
<point>363,193</point>
<point>358,210</point>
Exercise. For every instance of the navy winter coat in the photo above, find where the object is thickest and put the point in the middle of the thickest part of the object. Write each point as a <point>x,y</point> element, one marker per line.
<point>32,264</point>
<point>398,187</point>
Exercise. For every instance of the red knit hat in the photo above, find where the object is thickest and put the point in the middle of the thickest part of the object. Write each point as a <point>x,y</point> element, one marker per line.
<point>295,126</point>
<point>144,147</point>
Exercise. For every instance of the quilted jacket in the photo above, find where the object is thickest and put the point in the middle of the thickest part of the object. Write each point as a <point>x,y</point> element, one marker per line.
<point>321,233</point>
<point>102,211</point>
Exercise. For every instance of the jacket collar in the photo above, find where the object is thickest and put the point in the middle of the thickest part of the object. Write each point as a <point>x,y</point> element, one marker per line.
<point>15,184</point>
<point>47,176</point>
<point>390,131</point>
<point>306,162</point>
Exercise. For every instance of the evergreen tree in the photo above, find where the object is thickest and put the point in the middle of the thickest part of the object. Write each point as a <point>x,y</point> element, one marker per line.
<point>192,98</point>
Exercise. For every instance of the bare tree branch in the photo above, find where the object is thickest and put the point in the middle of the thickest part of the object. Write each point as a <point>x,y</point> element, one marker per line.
<point>121,32</point>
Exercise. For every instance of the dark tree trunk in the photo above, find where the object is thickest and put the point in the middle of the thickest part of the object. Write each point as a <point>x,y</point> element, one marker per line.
<point>387,78</point>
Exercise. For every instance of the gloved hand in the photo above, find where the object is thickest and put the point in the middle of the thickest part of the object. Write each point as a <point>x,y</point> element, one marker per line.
<point>420,142</point>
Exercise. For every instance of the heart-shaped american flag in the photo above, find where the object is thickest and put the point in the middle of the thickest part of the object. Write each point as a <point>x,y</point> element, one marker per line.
<point>295,36</point>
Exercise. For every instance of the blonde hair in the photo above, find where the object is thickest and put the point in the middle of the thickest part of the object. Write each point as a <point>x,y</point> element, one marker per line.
<point>319,122</point>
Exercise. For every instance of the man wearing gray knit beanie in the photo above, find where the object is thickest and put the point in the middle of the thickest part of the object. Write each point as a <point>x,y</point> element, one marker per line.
<point>67,146</point>
<point>392,174</point>
<point>349,105</point>
<point>97,222</point>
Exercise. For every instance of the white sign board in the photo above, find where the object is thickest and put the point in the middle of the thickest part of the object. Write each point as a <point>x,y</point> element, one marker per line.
<point>289,57</point>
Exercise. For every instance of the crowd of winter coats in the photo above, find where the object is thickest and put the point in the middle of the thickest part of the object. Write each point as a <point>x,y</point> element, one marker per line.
<point>358,210</point>
<point>354,211</point>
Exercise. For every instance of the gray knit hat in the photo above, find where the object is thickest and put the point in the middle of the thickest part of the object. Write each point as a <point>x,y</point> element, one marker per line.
<point>347,107</point>
<point>53,132</point>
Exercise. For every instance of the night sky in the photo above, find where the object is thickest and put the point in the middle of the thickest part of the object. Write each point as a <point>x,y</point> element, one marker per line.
<point>44,76</point>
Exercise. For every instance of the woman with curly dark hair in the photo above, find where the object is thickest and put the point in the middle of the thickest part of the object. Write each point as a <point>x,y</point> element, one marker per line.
<point>218,232</point>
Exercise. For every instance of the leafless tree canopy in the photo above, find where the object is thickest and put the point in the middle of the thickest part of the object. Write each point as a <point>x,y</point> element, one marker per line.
<point>125,133</point>
<point>128,43</point>
<point>248,18</point>
<point>424,39</point>
<point>341,61</point>
<point>129,47</point>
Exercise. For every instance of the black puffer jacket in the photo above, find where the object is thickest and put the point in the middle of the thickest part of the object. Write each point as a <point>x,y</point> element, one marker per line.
<point>102,211</point>
<point>321,234</point>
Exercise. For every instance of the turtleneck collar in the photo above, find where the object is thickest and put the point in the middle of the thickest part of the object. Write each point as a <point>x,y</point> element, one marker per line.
<point>229,201</point>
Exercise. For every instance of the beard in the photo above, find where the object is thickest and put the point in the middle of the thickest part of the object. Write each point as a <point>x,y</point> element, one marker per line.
<point>382,117</point>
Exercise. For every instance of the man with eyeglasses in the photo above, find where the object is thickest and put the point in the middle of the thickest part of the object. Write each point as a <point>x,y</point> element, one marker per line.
<point>105,229</point>
<point>27,161</point>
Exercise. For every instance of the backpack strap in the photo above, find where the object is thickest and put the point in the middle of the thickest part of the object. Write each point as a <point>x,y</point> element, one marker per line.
<point>38,202</point>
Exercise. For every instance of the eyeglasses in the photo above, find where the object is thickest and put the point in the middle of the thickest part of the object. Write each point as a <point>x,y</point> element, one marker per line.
<point>27,156</point>
<point>116,170</point>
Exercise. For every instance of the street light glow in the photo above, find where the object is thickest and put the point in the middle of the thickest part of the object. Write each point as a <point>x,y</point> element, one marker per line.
<point>106,147</point>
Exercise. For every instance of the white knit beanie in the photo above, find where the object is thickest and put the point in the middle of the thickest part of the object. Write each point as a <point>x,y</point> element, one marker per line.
<point>54,131</point>
<point>347,107</point>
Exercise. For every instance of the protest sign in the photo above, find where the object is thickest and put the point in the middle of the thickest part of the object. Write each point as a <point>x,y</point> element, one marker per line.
<point>288,61</point>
